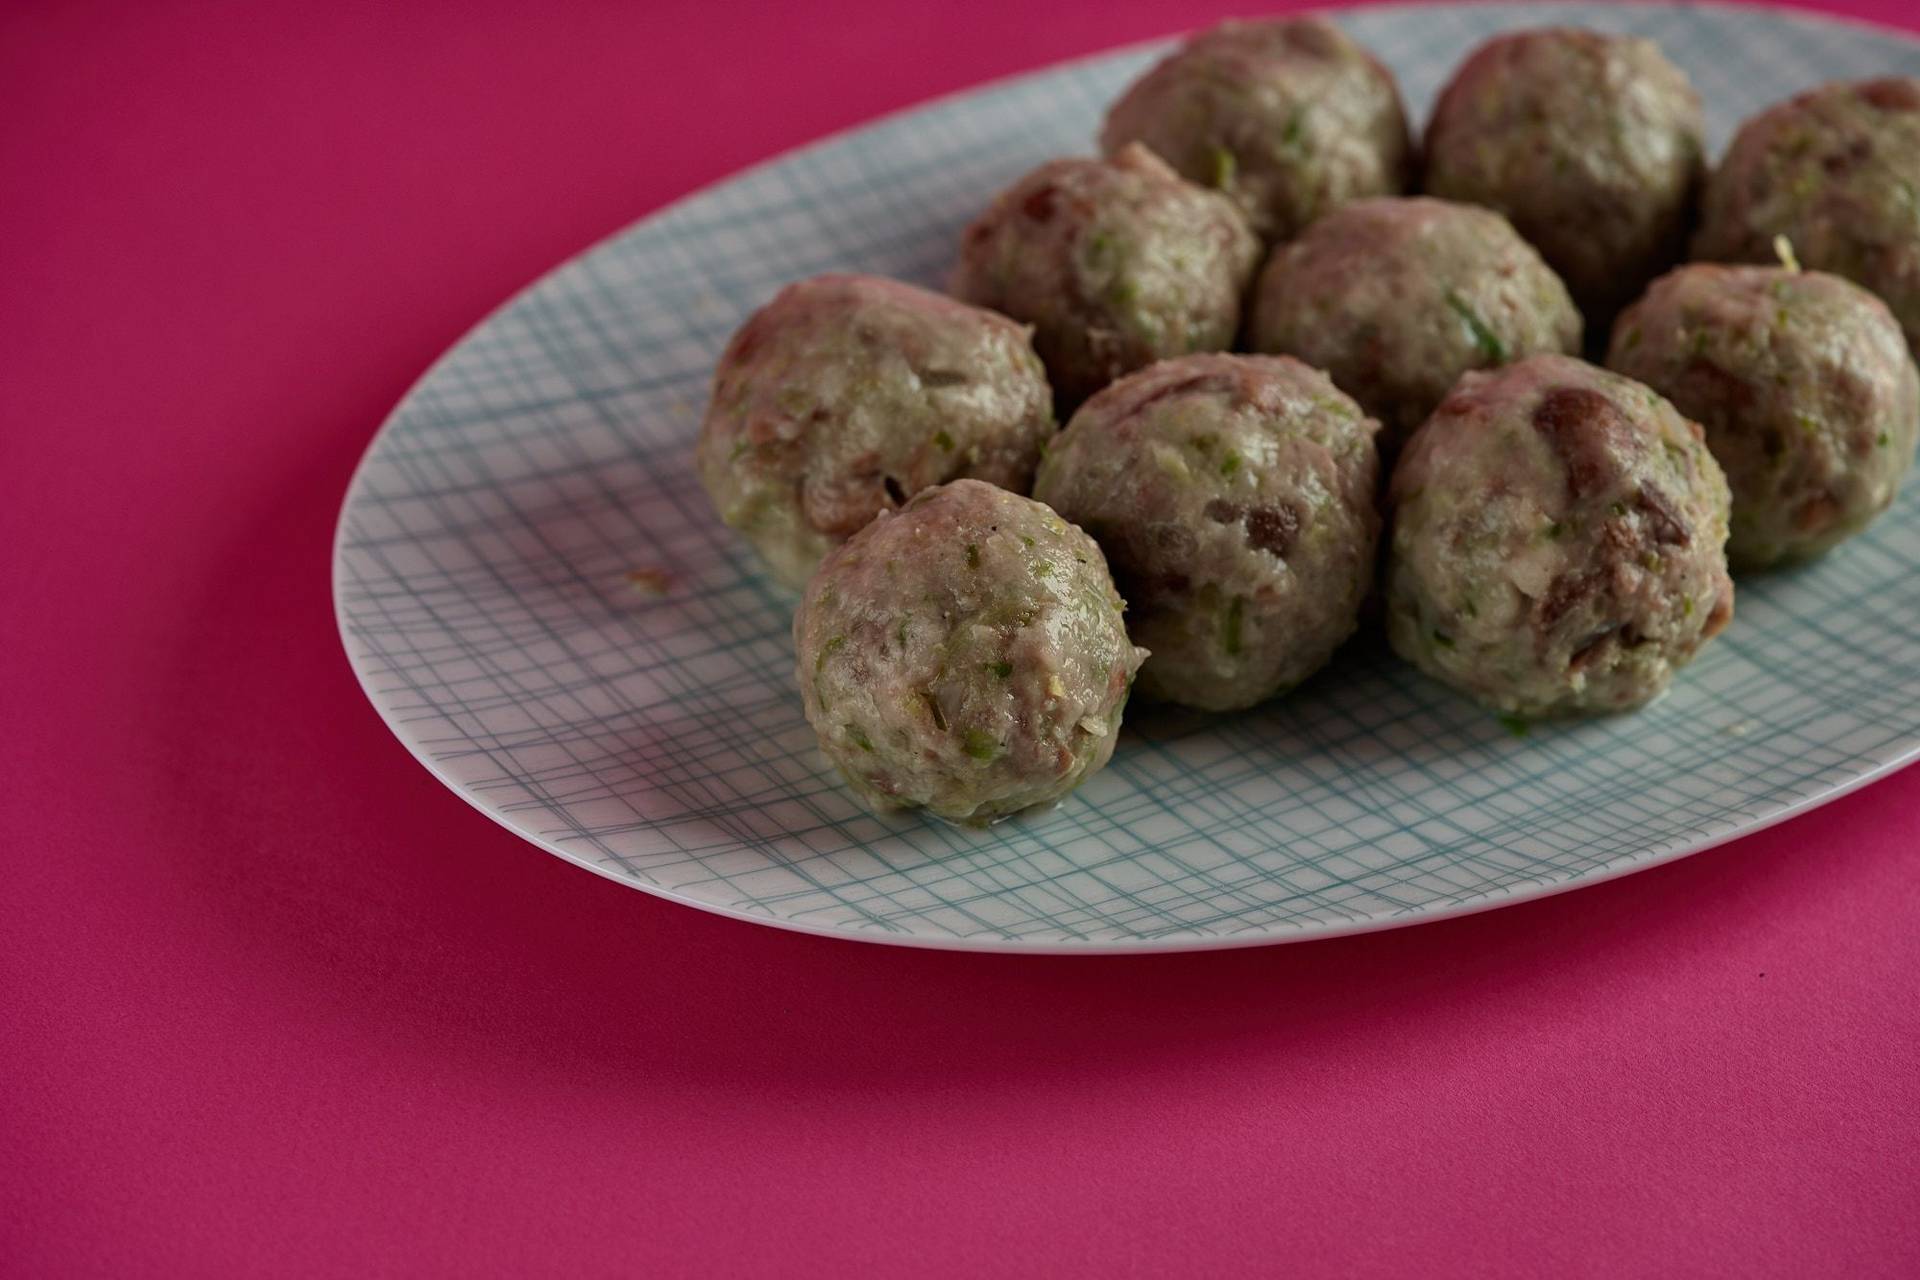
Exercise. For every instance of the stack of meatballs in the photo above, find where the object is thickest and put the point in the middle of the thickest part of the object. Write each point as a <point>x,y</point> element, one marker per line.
<point>1296,396</point>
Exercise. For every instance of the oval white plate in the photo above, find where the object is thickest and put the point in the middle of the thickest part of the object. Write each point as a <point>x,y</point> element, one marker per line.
<point>501,546</point>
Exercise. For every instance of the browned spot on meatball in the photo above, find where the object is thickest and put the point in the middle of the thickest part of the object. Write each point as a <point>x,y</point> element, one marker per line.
<point>1591,649</point>
<point>1586,429</point>
<point>1668,529</point>
<point>1039,204</point>
<point>1311,37</point>
<point>1839,163</point>
<point>1220,511</point>
<point>1566,592</point>
<point>1199,384</point>
<point>1816,513</point>
<point>1728,395</point>
<point>1892,94</point>
<point>1720,615</point>
<point>744,343</point>
<point>1273,529</point>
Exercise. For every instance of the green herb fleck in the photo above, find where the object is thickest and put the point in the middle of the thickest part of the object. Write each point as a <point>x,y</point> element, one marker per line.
<point>1491,346</point>
<point>944,440</point>
<point>1686,606</point>
<point>1555,530</point>
<point>980,744</point>
<point>859,737</point>
<point>826,650</point>
<point>1231,624</point>
<point>1883,439</point>
<point>973,556</point>
<point>1296,126</point>
<point>1229,464</point>
<point>1001,669</point>
<point>1203,443</point>
<point>1808,423</point>
<point>1515,725</point>
<point>1630,339</point>
<point>741,449</point>
<point>1335,407</point>
<point>1029,541</point>
<point>1223,168</point>
<point>1618,508</point>
<point>1699,342</point>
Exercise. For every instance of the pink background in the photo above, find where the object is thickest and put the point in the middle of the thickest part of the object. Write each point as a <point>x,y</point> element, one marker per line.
<point>275,1002</point>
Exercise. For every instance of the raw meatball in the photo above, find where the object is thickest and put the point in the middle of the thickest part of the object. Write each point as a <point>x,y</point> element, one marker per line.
<point>1836,171</point>
<point>1290,118</point>
<point>1234,496</point>
<point>1590,143</point>
<point>846,395</point>
<point>1397,298</point>
<point>1558,541</point>
<point>1804,385</point>
<point>965,654</point>
<point>1115,263</point>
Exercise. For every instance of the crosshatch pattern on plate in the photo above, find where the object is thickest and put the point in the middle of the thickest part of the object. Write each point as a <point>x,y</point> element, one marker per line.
<point>496,589</point>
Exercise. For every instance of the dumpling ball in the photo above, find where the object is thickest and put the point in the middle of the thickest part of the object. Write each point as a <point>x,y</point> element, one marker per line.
<point>965,655</point>
<point>1289,117</point>
<point>1234,496</point>
<point>1558,541</point>
<point>1836,171</point>
<point>1804,385</point>
<point>1396,298</point>
<point>1116,263</point>
<point>848,394</point>
<point>1590,144</point>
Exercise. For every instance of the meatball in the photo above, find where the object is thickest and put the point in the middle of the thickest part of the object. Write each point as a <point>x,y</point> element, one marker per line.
<point>846,395</point>
<point>1289,117</point>
<point>1590,143</point>
<point>1115,263</point>
<point>964,654</point>
<point>1805,387</point>
<point>1558,541</point>
<point>1396,298</point>
<point>1234,496</point>
<point>1836,171</point>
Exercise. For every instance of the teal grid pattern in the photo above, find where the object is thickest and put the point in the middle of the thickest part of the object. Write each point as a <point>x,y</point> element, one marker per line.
<point>481,580</point>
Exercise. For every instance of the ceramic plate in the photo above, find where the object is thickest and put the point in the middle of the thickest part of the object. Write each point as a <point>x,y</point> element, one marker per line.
<point>541,604</point>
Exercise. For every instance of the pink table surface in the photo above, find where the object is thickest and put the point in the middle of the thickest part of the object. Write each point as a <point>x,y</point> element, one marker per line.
<point>275,1002</point>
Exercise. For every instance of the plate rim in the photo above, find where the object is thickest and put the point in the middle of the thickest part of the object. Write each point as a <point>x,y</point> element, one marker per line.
<point>1172,942</point>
